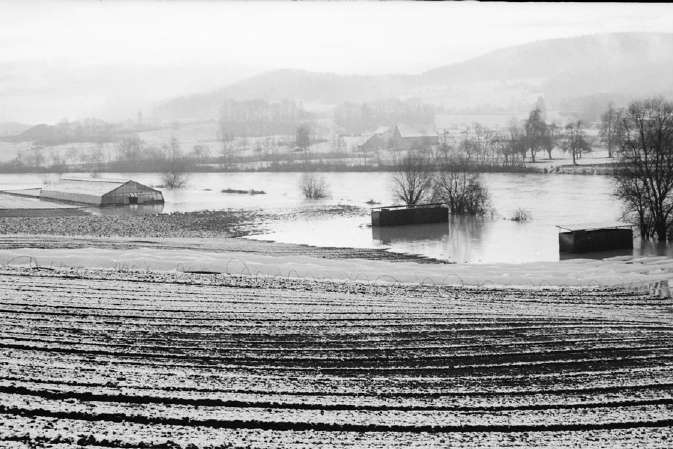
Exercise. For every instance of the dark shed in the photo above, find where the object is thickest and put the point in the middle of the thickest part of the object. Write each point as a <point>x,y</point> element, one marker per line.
<point>594,239</point>
<point>408,215</point>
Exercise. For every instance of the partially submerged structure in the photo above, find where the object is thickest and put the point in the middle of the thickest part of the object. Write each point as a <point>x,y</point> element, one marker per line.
<point>577,239</point>
<point>101,192</point>
<point>410,215</point>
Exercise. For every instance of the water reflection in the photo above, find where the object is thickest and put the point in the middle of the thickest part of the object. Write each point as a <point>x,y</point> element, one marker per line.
<point>640,248</point>
<point>650,248</point>
<point>461,239</point>
<point>125,211</point>
<point>388,235</point>
<point>597,254</point>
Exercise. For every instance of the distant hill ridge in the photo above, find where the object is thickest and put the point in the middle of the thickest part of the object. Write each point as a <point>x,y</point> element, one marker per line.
<point>623,64</point>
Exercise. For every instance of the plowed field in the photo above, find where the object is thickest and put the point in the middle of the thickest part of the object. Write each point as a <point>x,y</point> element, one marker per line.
<point>127,359</point>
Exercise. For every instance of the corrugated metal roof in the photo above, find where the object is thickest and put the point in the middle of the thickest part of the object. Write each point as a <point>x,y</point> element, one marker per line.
<point>98,187</point>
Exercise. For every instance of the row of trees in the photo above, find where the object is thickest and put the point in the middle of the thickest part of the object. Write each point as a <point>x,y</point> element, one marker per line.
<point>537,135</point>
<point>130,154</point>
<point>255,118</point>
<point>640,135</point>
<point>519,142</point>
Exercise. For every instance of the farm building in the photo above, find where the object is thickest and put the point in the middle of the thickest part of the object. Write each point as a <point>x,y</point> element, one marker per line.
<point>407,137</point>
<point>101,192</point>
<point>402,137</point>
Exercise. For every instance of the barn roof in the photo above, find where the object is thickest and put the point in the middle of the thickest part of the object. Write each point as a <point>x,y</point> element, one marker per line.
<point>382,130</point>
<point>86,186</point>
<point>417,131</point>
<point>89,186</point>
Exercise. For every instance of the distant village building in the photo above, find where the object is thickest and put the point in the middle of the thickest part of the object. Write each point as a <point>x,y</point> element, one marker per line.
<point>407,137</point>
<point>101,192</point>
<point>402,138</point>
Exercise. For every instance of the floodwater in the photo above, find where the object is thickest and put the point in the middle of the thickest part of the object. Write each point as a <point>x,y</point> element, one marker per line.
<point>550,200</point>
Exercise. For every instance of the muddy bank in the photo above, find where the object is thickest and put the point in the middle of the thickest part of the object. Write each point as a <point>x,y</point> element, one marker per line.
<point>201,224</point>
<point>216,248</point>
<point>193,224</point>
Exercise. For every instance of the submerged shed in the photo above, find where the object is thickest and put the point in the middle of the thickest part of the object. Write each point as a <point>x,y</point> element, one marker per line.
<point>583,239</point>
<point>409,215</point>
<point>101,192</point>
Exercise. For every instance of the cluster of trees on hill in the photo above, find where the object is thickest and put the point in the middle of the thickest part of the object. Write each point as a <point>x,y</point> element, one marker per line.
<point>512,147</point>
<point>87,130</point>
<point>258,118</point>
<point>536,135</point>
<point>355,118</point>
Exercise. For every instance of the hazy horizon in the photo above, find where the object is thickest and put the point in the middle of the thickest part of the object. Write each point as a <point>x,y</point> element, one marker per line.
<point>115,58</point>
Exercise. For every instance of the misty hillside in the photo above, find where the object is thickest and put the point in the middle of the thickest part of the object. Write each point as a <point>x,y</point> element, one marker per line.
<point>562,70</point>
<point>277,85</point>
<point>12,128</point>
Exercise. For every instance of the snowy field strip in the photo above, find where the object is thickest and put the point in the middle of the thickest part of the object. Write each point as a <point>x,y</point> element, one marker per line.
<point>171,256</point>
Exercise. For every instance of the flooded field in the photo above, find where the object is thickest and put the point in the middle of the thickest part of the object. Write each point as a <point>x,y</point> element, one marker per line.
<point>551,200</point>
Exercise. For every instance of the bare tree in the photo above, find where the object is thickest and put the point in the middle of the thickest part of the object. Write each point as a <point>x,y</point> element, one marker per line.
<point>57,163</point>
<point>201,152</point>
<point>575,141</point>
<point>413,180</point>
<point>550,138</point>
<point>175,167</point>
<point>226,138</point>
<point>33,157</point>
<point>303,140</point>
<point>461,192</point>
<point>517,143</point>
<point>536,132</point>
<point>645,181</point>
<point>130,149</point>
<point>611,131</point>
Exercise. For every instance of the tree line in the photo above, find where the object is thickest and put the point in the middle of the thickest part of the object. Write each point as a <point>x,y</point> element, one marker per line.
<point>639,136</point>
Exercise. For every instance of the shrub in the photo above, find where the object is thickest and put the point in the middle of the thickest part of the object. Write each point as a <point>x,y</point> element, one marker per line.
<point>313,186</point>
<point>521,215</point>
<point>174,179</point>
<point>462,193</point>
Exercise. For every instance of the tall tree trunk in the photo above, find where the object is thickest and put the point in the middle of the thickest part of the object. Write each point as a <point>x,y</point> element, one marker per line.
<point>661,230</point>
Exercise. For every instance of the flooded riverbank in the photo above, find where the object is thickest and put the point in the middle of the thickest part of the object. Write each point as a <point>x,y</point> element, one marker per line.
<point>342,219</point>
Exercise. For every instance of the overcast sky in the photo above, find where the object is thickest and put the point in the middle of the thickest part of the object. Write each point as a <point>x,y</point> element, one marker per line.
<point>106,58</point>
<point>339,37</point>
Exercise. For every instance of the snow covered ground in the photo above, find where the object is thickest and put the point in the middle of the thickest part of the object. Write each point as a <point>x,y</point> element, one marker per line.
<point>238,256</point>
